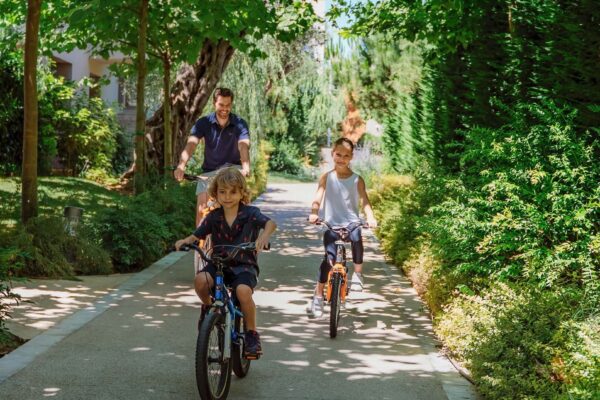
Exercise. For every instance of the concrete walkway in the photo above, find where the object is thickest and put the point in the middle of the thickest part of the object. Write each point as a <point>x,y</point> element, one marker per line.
<point>137,341</point>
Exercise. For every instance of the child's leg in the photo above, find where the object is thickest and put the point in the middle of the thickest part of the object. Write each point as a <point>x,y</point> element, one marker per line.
<point>356,283</point>
<point>202,284</point>
<point>357,249</point>
<point>244,295</point>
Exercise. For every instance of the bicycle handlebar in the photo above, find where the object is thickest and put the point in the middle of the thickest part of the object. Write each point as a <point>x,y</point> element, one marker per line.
<point>249,246</point>
<point>320,221</point>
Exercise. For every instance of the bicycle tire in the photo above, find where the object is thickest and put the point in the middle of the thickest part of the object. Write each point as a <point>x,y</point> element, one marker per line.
<point>334,305</point>
<point>240,365</point>
<point>213,373</point>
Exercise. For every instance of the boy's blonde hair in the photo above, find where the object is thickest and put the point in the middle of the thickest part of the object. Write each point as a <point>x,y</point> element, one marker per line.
<point>231,177</point>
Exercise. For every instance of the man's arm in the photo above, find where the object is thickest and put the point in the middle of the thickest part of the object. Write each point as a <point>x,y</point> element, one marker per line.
<point>362,194</point>
<point>244,148</point>
<point>186,154</point>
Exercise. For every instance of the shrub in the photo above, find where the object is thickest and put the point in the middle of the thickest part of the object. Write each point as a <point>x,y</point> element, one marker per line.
<point>522,342</point>
<point>46,250</point>
<point>133,237</point>
<point>139,231</point>
<point>10,263</point>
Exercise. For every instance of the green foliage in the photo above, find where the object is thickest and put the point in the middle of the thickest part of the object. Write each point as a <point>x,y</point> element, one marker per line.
<point>137,232</point>
<point>9,267</point>
<point>522,342</point>
<point>286,99</point>
<point>46,250</point>
<point>11,111</point>
<point>528,205</point>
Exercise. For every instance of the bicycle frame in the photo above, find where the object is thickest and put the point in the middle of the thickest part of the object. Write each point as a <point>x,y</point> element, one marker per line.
<point>224,304</point>
<point>339,268</point>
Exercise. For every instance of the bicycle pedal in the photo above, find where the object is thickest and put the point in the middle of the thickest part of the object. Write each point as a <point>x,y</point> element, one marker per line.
<point>252,357</point>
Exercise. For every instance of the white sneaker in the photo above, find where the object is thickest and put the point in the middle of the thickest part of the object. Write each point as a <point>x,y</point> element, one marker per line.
<point>356,283</point>
<point>316,307</point>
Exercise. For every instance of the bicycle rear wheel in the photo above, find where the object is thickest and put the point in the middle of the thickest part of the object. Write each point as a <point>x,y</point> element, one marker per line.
<point>240,364</point>
<point>334,305</point>
<point>213,372</point>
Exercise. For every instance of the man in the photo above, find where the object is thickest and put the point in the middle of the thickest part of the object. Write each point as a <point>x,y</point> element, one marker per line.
<point>226,141</point>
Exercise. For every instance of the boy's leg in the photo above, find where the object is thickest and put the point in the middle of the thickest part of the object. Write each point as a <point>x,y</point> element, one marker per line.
<point>244,284</point>
<point>202,284</point>
<point>244,295</point>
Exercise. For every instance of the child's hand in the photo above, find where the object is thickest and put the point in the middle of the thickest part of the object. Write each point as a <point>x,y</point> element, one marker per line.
<point>261,243</point>
<point>179,243</point>
<point>312,218</point>
<point>372,223</point>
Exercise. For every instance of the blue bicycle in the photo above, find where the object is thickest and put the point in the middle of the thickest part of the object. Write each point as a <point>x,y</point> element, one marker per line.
<point>220,343</point>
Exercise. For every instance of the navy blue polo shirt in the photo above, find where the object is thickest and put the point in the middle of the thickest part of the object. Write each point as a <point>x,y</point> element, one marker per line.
<point>245,228</point>
<point>220,144</point>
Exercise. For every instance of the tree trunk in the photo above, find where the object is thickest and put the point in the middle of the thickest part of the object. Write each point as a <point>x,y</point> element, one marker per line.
<point>140,118</point>
<point>168,134</point>
<point>30,127</point>
<point>189,94</point>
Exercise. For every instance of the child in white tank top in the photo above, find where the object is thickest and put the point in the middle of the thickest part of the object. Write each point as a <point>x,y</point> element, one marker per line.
<point>340,191</point>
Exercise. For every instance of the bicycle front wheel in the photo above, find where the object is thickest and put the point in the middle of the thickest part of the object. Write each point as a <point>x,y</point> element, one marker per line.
<point>334,305</point>
<point>240,365</point>
<point>213,371</point>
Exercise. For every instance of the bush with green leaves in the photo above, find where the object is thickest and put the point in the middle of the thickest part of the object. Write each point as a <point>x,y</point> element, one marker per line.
<point>10,263</point>
<point>47,250</point>
<point>138,232</point>
<point>527,209</point>
<point>526,343</point>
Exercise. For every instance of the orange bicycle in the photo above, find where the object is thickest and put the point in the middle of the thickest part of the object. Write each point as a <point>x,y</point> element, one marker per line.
<point>337,287</point>
<point>205,244</point>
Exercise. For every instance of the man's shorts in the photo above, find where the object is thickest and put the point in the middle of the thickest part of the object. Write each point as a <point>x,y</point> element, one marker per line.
<point>239,275</point>
<point>202,186</point>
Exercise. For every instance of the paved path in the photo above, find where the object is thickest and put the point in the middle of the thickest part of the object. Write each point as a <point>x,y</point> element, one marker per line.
<point>137,342</point>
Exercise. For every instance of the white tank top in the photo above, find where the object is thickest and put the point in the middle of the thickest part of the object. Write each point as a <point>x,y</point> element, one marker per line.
<point>340,205</point>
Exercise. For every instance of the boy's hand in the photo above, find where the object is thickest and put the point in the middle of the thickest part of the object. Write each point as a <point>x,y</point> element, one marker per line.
<point>261,243</point>
<point>312,218</point>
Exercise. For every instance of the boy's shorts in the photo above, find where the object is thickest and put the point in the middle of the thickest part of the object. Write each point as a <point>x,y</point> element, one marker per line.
<point>238,275</point>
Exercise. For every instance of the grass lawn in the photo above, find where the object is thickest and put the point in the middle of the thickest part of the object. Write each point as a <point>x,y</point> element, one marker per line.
<point>54,193</point>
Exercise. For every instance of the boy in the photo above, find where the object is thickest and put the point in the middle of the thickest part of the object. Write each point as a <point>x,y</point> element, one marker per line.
<point>231,224</point>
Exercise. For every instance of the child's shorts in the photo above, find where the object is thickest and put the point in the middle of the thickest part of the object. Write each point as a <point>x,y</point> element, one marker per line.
<point>238,275</point>
<point>329,239</point>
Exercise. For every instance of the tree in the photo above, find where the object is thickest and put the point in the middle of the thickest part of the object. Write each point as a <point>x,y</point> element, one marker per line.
<point>140,116</point>
<point>30,129</point>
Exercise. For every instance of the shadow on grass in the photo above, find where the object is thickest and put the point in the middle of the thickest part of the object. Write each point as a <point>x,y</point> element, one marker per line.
<point>54,193</point>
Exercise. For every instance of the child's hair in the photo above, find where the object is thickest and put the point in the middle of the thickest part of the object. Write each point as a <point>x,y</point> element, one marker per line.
<point>344,141</point>
<point>231,177</point>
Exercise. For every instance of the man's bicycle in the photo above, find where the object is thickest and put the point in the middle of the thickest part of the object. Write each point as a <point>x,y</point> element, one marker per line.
<point>337,287</point>
<point>220,342</point>
<point>204,244</point>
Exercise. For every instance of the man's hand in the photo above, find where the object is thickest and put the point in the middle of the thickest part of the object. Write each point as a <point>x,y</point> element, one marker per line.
<point>313,218</point>
<point>245,172</point>
<point>178,173</point>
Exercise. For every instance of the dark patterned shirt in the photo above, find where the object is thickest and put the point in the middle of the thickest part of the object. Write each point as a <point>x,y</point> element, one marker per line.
<point>245,228</point>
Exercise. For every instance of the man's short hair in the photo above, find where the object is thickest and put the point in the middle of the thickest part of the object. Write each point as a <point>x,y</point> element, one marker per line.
<point>223,92</point>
